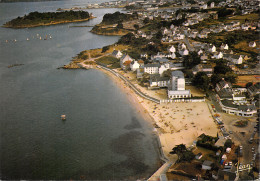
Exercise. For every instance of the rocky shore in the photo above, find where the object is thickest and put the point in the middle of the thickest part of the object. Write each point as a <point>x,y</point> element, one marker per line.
<point>110,31</point>
<point>45,24</point>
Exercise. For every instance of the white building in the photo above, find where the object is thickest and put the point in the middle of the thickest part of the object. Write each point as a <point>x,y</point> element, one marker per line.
<point>218,55</point>
<point>183,52</point>
<point>177,87</point>
<point>252,44</point>
<point>151,68</point>
<point>158,81</point>
<point>117,54</point>
<point>212,48</point>
<point>163,68</point>
<point>224,47</point>
<point>134,65</point>
<point>172,49</point>
<point>125,61</point>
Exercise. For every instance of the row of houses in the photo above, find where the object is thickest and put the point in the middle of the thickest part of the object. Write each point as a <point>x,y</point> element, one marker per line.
<point>175,84</point>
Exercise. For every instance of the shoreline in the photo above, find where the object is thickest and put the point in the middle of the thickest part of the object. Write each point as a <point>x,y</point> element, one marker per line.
<point>170,131</point>
<point>47,24</point>
<point>133,99</point>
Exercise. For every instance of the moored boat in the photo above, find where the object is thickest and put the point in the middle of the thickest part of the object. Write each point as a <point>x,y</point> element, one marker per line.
<point>63,117</point>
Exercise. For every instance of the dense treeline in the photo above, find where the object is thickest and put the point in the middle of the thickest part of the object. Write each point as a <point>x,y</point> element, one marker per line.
<point>118,17</point>
<point>35,18</point>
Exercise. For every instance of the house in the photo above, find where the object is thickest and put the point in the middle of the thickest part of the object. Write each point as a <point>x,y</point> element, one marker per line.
<point>134,65</point>
<point>140,72</point>
<point>151,68</point>
<point>254,89</point>
<point>117,54</point>
<point>125,61</point>
<point>177,86</point>
<point>204,57</point>
<point>207,68</point>
<point>217,55</point>
<point>212,48</point>
<point>158,55</point>
<point>161,60</point>
<point>164,67</point>
<point>182,46</point>
<point>204,6</point>
<point>200,52</point>
<point>224,46</point>
<point>172,49</point>
<point>212,4</point>
<point>203,35</point>
<point>158,81</point>
<point>144,55</point>
<point>207,165</point>
<point>223,85</point>
<point>236,59</point>
<point>183,52</point>
<point>172,56</point>
<point>252,44</point>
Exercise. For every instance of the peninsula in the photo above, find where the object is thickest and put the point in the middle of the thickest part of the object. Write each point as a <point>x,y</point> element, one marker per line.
<point>35,19</point>
<point>117,24</point>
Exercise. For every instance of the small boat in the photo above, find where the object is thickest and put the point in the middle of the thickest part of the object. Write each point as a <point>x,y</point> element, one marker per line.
<point>6,41</point>
<point>15,40</point>
<point>63,117</point>
<point>50,37</point>
<point>27,39</point>
<point>40,37</point>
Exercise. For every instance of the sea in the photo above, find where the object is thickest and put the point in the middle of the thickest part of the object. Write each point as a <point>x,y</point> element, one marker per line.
<point>103,137</point>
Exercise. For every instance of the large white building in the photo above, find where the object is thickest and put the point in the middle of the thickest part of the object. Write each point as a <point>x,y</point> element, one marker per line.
<point>151,68</point>
<point>177,86</point>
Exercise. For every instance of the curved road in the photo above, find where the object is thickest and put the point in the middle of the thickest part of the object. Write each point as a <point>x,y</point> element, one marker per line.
<point>137,91</point>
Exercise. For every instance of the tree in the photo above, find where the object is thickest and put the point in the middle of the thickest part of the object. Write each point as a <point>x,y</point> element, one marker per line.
<point>228,143</point>
<point>215,78</point>
<point>179,150</point>
<point>146,20</point>
<point>249,84</point>
<point>223,12</point>
<point>136,26</point>
<point>104,49</point>
<point>191,60</point>
<point>201,80</point>
<point>222,68</point>
<point>231,77</point>
<point>120,25</point>
<point>182,153</point>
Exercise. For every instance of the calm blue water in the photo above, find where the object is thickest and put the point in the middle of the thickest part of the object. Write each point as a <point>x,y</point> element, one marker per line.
<point>103,137</point>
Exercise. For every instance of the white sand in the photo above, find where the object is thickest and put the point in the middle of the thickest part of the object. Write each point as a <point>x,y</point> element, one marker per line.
<point>178,122</point>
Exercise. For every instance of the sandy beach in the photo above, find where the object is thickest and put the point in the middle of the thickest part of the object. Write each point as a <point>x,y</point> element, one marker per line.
<point>175,123</point>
